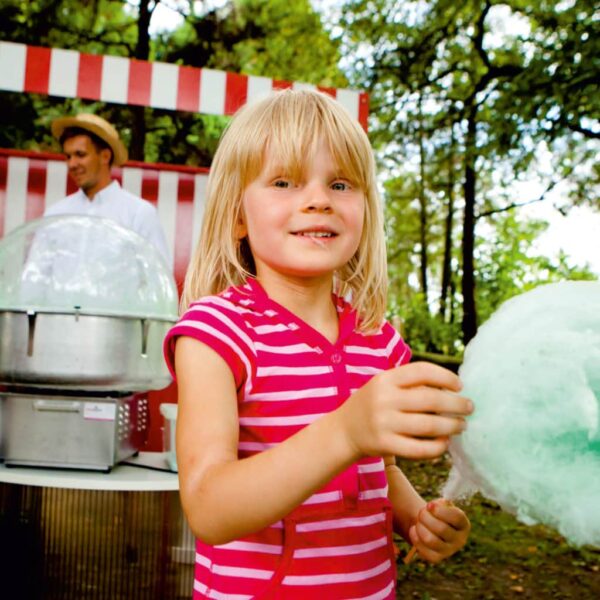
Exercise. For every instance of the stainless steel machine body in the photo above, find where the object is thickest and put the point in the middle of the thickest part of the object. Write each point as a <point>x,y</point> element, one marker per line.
<point>82,352</point>
<point>71,431</point>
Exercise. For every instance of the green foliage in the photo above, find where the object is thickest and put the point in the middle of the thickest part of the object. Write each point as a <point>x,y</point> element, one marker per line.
<point>507,266</point>
<point>425,331</point>
<point>95,26</point>
<point>468,98</point>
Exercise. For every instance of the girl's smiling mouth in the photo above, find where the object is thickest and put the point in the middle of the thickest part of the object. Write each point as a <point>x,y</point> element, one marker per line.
<point>316,233</point>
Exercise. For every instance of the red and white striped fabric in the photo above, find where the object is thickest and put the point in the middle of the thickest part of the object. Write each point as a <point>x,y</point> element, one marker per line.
<point>32,181</point>
<point>338,543</point>
<point>72,74</point>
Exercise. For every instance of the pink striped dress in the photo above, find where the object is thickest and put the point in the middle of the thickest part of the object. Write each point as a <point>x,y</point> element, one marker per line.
<point>338,543</point>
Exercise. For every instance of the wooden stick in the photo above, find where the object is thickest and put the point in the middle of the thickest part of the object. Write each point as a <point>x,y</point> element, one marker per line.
<point>410,556</point>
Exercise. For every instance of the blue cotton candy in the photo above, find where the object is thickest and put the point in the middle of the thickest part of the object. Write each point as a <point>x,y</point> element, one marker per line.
<point>533,442</point>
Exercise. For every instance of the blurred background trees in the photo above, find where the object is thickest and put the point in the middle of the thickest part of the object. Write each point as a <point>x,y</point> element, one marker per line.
<point>469,100</point>
<point>477,108</point>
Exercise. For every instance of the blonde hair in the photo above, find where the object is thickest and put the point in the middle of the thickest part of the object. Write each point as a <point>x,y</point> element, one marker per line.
<point>290,123</point>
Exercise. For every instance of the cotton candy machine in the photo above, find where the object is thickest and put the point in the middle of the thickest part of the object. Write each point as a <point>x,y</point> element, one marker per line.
<point>84,307</point>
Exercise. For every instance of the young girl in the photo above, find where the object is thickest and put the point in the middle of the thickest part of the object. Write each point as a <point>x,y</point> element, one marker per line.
<point>292,400</point>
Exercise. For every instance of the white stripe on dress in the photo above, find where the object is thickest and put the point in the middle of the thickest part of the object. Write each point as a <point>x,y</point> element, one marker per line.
<point>267,329</point>
<point>291,349</point>
<point>371,467</point>
<point>392,343</point>
<point>280,421</point>
<point>252,547</point>
<point>348,550</point>
<point>275,371</point>
<point>380,595</point>
<point>362,370</point>
<point>200,587</point>
<point>367,351</point>
<point>325,392</point>
<point>244,572</point>
<point>340,523</point>
<point>255,446</point>
<point>329,578</point>
<point>370,494</point>
<point>324,497</point>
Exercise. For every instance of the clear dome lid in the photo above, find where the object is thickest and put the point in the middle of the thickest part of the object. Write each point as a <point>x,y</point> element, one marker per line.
<point>90,265</point>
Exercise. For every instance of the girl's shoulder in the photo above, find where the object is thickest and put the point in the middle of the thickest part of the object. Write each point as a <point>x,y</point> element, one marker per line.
<point>221,322</point>
<point>236,302</point>
<point>238,310</point>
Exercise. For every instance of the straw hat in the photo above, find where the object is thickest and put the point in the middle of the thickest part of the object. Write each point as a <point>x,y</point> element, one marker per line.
<point>96,125</point>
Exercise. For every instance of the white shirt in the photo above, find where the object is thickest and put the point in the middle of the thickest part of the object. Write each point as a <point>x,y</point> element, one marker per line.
<point>113,202</point>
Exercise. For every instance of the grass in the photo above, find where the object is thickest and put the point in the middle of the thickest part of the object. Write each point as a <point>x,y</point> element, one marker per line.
<point>503,559</point>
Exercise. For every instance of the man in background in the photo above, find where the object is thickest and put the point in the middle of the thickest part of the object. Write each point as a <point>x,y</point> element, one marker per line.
<point>92,146</point>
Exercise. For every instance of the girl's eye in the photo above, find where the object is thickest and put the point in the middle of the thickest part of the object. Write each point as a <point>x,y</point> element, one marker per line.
<point>340,186</point>
<point>282,183</point>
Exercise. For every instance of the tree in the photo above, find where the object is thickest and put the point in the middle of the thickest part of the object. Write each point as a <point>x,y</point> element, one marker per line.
<point>443,75</point>
<point>95,26</point>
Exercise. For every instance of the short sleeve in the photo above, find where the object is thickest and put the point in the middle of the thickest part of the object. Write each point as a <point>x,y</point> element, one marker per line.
<point>217,323</point>
<point>398,350</point>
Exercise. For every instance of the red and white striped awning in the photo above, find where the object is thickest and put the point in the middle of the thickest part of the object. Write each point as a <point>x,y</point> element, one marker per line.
<point>72,74</point>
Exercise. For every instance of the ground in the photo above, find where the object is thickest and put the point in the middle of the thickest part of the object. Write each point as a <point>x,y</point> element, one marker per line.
<point>503,560</point>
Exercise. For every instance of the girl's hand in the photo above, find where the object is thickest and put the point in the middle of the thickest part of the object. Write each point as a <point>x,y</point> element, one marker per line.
<point>441,530</point>
<point>409,411</point>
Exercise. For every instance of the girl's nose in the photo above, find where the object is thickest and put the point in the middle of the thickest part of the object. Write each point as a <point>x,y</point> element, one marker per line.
<point>317,199</point>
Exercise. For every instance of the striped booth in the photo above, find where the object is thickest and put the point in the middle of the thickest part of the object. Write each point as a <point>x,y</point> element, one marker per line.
<point>32,181</point>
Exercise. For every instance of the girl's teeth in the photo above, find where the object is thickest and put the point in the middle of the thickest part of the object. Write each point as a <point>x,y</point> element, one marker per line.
<point>317,234</point>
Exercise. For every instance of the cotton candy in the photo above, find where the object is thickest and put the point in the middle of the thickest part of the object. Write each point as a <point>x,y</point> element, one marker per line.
<point>533,442</point>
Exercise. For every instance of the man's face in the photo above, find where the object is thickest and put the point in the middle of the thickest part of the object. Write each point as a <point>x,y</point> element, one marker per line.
<point>88,166</point>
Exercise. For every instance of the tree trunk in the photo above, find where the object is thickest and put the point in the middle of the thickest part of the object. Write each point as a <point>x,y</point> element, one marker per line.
<point>141,52</point>
<point>447,258</point>
<point>469,322</point>
<point>422,212</point>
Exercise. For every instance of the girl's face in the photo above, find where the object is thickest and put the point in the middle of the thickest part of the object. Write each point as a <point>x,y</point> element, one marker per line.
<point>302,229</point>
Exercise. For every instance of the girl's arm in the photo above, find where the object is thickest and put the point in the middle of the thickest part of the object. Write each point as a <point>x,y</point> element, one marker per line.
<point>224,498</point>
<point>437,529</point>
<point>406,502</point>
